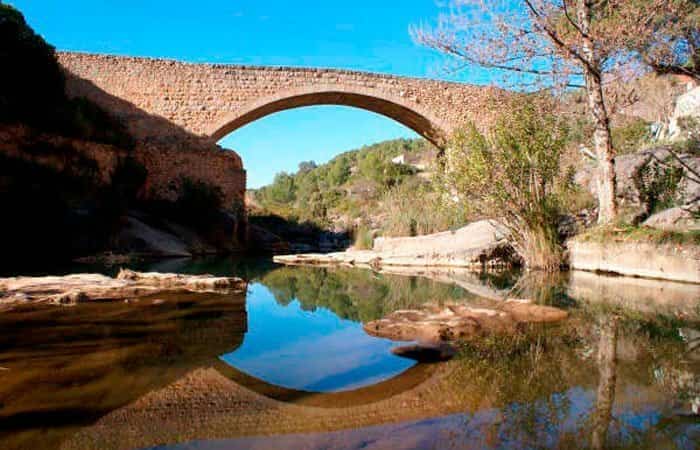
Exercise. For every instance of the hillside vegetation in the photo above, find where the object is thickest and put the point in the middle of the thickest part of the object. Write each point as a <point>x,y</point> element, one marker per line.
<point>381,186</point>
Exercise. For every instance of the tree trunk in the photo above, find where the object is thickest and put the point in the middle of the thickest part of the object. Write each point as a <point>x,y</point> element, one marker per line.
<point>602,139</point>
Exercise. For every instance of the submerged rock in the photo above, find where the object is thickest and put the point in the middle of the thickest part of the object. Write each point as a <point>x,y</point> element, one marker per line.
<point>425,353</point>
<point>435,324</point>
<point>72,289</point>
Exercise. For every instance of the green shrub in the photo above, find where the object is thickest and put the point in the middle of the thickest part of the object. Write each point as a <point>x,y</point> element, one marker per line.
<point>282,189</point>
<point>580,130</point>
<point>631,137</point>
<point>512,175</point>
<point>657,185</point>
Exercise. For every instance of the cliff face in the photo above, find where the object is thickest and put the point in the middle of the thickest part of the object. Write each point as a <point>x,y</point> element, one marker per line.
<point>70,197</point>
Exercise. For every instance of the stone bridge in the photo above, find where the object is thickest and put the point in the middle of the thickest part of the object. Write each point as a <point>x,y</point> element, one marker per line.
<point>212,100</point>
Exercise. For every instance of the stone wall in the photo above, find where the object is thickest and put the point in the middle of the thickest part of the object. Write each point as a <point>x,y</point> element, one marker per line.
<point>210,100</point>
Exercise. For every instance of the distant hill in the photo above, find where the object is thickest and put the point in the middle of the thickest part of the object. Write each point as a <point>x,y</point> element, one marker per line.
<point>348,189</point>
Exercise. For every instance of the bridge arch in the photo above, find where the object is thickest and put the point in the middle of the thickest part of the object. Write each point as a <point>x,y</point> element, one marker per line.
<point>402,110</point>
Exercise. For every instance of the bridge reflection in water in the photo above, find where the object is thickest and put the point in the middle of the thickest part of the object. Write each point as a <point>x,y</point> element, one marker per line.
<point>135,376</point>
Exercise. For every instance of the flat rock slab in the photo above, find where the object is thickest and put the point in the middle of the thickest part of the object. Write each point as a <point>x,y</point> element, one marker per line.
<point>435,324</point>
<point>71,289</point>
<point>472,246</point>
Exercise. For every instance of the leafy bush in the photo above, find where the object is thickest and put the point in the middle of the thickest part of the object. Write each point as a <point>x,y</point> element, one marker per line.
<point>657,185</point>
<point>511,175</point>
<point>282,189</point>
<point>631,137</point>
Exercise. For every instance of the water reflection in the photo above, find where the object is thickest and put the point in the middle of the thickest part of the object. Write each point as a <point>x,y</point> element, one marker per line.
<point>223,372</point>
<point>313,349</point>
<point>64,368</point>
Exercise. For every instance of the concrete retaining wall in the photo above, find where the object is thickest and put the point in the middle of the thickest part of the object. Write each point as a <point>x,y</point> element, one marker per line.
<point>668,262</point>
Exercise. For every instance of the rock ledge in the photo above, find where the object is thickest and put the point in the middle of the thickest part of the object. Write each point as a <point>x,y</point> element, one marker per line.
<point>71,289</point>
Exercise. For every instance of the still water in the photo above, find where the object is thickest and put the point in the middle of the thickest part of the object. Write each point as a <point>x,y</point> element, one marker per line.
<point>288,365</point>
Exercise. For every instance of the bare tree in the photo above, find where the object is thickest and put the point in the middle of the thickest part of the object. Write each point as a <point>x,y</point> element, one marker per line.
<point>560,44</point>
<point>672,46</point>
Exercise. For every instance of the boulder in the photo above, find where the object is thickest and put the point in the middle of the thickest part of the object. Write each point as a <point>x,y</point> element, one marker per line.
<point>674,219</point>
<point>668,261</point>
<point>435,324</point>
<point>194,242</point>
<point>687,105</point>
<point>140,238</point>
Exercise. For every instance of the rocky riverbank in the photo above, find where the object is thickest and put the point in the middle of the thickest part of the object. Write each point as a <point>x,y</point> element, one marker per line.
<point>477,245</point>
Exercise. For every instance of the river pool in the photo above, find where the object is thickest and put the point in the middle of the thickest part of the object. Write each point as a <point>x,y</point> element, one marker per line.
<point>288,365</point>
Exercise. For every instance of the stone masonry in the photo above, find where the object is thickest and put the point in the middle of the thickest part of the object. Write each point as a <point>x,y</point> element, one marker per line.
<point>178,111</point>
<point>212,100</point>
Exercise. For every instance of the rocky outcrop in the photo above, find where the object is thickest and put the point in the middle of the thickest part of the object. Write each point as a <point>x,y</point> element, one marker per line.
<point>687,106</point>
<point>679,219</point>
<point>128,285</point>
<point>641,259</point>
<point>473,246</point>
<point>627,166</point>
<point>140,238</point>
<point>434,324</point>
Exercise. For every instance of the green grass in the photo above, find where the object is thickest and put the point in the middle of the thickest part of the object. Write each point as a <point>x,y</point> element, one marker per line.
<point>364,239</point>
<point>630,233</point>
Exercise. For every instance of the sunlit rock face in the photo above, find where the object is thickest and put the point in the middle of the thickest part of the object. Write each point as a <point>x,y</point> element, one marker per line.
<point>128,285</point>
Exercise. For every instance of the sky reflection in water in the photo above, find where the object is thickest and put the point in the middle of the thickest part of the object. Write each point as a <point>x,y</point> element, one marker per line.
<point>310,350</point>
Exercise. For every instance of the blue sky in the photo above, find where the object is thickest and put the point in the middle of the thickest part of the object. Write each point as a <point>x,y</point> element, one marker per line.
<point>370,35</point>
